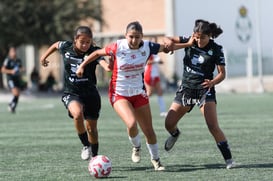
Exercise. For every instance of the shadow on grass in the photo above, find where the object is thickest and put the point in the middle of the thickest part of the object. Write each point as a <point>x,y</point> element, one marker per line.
<point>189,168</point>
<point>129,169</point>
<point>185,168</point>
<point>173,168</point>
<point>257,165</point>
<point>136,168</point>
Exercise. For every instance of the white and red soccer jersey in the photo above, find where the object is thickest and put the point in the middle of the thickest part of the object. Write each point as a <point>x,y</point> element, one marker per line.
<point>129,65</point>
<point>152,74</point>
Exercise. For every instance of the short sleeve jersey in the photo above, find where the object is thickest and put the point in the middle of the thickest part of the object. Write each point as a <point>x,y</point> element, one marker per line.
<point>152,70</point>
<point>200,63</point>
<point>72,60</point>
<point>129,65</point>
<point>13,65</point>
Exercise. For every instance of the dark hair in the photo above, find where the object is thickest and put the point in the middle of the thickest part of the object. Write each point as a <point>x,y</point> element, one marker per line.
<point>207,28</point>
<point>134,26</point>
<point>83,30</point>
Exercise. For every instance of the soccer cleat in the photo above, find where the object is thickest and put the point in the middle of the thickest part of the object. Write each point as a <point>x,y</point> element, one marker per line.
<point>11,108</point>
<point>157,165</point>
<point>136,155</point>
<point>171,141</point>
<point>230,164</point>
<point>86,152</point>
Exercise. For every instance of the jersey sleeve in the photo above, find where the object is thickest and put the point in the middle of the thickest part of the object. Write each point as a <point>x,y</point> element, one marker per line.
<point>220,58</point>
<point>154,47</point>
<point>111,49</point>
<point>183,39</point>
<point>94,48</point>
<point>6,61</point>
<point>62,45</point>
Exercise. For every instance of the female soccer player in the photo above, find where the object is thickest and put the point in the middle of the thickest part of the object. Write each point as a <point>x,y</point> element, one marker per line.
<point>81,96</point>
<point>12,66</point>
<point>126,91</point>
<point>152,81</point>
<point>198,85</point>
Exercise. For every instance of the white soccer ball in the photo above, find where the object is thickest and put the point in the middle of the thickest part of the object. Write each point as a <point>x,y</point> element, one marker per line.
<point>100,166</point>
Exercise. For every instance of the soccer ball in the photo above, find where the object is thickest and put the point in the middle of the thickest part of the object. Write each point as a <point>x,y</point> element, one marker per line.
<point>100,166</point>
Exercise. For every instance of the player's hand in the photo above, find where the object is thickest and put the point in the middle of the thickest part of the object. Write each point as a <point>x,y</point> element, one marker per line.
<point>207,83</point>
<point>168,45</point>
<point>192,40</point>
<point>111,62</point>
<point>166,50</point>
<point>79,71</point>
<point>44,62</point>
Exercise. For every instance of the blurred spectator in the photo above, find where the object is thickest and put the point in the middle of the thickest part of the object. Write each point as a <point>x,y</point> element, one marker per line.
<point>35,79</point>
<point>50,82</point>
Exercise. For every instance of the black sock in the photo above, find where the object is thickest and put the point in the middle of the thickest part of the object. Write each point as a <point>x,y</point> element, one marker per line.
<point>225,150</point>
<point>95,149</point>
<point>14,101</point>
<point>175,133</point>
<point>84,139</point>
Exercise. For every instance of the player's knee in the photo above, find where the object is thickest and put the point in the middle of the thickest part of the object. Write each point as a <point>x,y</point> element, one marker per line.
<point>93,132</point>
<point>91,129</point>
<point>77,115</point>
<point>149,93</point>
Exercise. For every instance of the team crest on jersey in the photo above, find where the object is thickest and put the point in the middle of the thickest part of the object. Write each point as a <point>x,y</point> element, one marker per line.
<point>201,59</point>
<point>143,53</point>
<point>197,59</point>
<point>210,52</point>
<point>133,56</point>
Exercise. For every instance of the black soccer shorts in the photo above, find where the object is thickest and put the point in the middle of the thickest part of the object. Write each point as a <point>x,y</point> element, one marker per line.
<point>91,104</point>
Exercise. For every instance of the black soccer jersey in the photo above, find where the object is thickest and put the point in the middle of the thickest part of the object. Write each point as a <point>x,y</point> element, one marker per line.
<point>13,65</point>
<point>72,83</point>
<point>200,63</point>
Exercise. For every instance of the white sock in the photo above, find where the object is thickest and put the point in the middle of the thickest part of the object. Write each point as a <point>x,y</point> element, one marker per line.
<point>135,141</point>
<point>161,102</point>
<point>153,150</point>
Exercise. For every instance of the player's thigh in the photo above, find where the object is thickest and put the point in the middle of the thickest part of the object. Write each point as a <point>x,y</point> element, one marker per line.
<point>125,111</point>
<point>175,113</point>
<point>209,112</point>
<point>75,108</point>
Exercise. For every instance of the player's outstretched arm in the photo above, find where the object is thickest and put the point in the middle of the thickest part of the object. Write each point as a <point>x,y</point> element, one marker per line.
<point>48,52</point>
<point>92,57</point>
<point>190,42</point>
<point>173,43</point>
<point>105,65</point>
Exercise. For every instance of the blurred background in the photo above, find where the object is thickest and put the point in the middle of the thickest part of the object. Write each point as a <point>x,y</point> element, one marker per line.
<point>34,25</point>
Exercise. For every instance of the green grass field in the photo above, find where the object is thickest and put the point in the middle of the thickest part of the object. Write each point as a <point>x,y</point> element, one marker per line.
<point>39,142</point>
